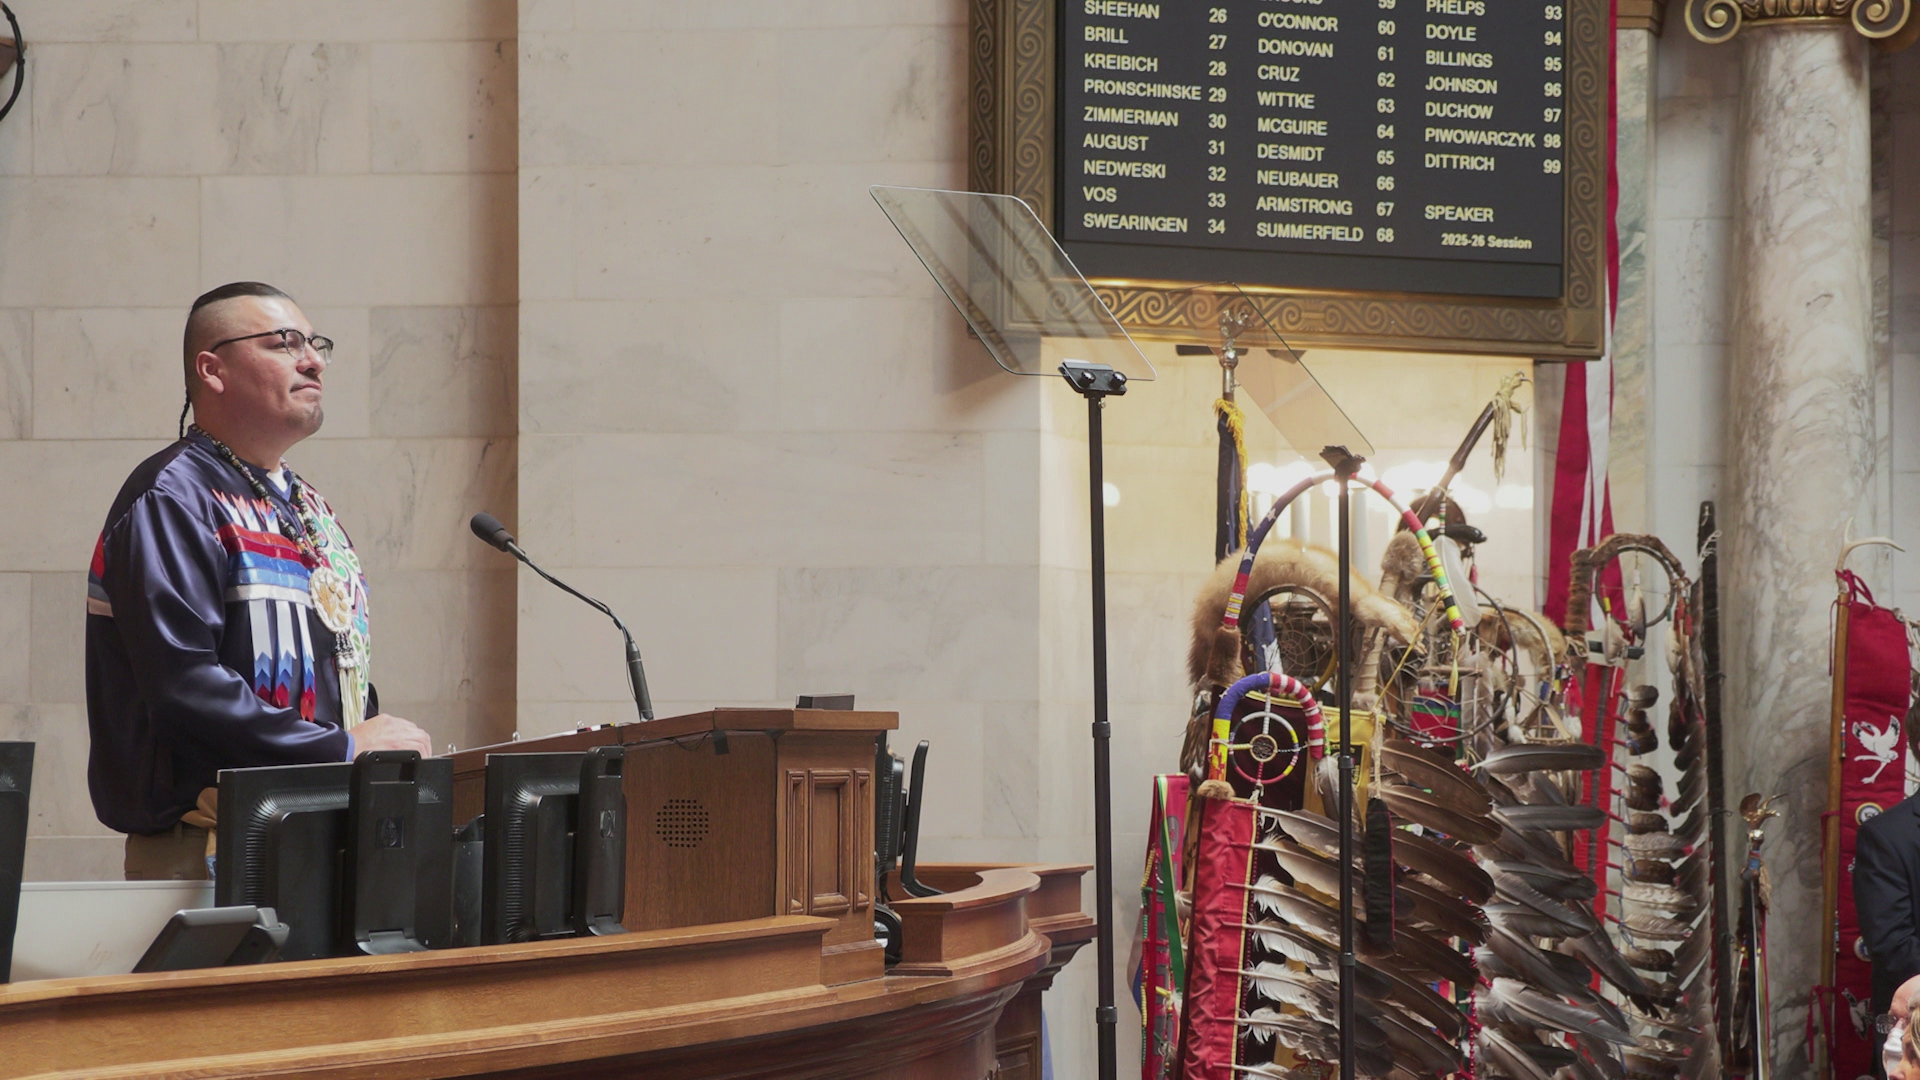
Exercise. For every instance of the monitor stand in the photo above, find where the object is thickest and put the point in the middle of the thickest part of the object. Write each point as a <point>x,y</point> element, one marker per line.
<point>389,942</point>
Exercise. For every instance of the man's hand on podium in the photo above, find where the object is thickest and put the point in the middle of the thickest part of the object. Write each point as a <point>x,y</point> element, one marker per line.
<point>384,732</point>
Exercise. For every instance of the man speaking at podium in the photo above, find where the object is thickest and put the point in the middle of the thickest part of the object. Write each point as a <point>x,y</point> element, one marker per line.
<point>227,617</point>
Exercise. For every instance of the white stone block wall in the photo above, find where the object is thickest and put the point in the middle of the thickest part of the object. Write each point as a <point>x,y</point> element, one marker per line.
<point>361,156</point>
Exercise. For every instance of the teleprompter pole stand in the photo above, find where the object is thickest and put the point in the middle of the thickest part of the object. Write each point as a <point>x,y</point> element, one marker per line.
<point>1096,383</point>
<point>1345,465</point>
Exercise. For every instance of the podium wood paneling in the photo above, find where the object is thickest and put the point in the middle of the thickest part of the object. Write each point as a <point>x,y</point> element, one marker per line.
<point>750,895</point>
<point>1054,910</point>
<point>731,1001</point>
<point>779,824</point>
<point>701,832</point>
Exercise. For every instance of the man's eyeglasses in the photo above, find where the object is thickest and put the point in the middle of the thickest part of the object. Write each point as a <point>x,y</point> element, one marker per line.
<point>292,342</point>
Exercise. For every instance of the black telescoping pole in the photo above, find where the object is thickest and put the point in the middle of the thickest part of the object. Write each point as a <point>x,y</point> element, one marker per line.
<point>1106,1016</point>
<point>1344,467</point>
<point>1096,383</point>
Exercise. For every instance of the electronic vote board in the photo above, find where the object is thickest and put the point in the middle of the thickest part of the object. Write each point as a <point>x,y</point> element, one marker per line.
<point>1402,145</point>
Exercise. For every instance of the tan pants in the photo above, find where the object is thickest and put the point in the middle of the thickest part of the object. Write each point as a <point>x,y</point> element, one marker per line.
<point>179,854</point>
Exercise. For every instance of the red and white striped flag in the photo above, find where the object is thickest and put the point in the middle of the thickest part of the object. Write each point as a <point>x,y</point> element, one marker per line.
<point>1581,513</point>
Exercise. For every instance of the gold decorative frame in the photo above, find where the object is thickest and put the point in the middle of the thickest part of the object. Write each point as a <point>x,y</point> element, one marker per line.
<point>1011,152</point>
<point>1715,21</point>
<point>1641,15</point>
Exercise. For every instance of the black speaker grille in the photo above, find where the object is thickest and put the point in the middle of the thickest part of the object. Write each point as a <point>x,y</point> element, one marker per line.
<point>681,823</point>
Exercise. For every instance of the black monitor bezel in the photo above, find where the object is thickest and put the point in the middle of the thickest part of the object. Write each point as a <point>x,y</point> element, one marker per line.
<point>16,795</point>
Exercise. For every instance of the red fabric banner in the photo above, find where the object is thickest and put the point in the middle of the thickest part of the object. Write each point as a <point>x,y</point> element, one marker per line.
<point>1875,687</point>
<point>1581,511</point>
<point>1162,966</point>
<point>1223,867</point>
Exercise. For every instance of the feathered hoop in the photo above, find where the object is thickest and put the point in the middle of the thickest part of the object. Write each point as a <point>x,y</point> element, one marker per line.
<point>1275,684</point>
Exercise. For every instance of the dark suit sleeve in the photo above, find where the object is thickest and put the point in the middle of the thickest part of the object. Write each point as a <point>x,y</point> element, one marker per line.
<point>1881,900</point>
<point>165,576</point>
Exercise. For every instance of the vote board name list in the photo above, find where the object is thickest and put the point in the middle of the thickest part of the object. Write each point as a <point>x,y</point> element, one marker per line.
<point>1419,129</point>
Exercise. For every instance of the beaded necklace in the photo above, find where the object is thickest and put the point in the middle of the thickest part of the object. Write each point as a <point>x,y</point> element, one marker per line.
<point>332,595</point>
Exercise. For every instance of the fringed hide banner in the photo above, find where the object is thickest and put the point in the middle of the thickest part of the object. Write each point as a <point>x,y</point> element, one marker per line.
<point>1161,976</point>
<point>1210,1042</point>
<point>1872,674</point>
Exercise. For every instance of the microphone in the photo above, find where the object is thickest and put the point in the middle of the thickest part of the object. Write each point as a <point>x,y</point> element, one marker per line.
<point>488,528</point>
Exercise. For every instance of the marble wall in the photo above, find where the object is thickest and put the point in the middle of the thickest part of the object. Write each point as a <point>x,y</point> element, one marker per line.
<point>1801,466</point>
<point>1897,105</point>
<point>1627,447</point>
<point>1695,91</point>
<point>358,154</point>
<point>1693,127</point>
<point>751,423</point>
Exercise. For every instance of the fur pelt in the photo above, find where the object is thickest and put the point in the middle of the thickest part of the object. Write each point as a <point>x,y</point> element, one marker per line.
<point>1214,658</point>
<point>1402,565</point>
<point>1517,631</point>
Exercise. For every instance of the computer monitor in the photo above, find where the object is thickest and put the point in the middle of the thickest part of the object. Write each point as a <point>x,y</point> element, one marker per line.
<point>600,844</point>
<point>285,837</point>
<point>278,844</point>
<point>16,786</point>
<point>555,861</point>
<point>433,919</point>
<point>889,809</point>
<point>469,872</point>
<point>398,869</point>
<point>910,830</point>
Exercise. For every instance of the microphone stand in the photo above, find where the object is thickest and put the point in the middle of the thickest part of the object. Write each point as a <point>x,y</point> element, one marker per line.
<point>636,673</point>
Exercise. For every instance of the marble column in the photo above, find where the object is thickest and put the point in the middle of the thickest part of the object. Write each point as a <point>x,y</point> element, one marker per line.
<point>1801,450</point>
<point>1628,444</point>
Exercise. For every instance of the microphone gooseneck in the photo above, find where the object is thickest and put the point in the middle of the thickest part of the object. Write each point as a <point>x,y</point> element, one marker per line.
<point>488,528</point>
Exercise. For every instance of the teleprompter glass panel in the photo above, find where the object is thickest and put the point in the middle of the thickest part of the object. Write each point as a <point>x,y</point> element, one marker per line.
<point>1269,370</point>
<point>1012,283</point>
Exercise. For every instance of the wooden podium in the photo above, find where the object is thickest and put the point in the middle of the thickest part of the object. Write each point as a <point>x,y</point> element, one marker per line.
<point>750,897</point>
<point>739,814</point>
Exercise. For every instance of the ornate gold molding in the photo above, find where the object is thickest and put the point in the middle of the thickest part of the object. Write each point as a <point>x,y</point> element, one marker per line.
<point>1011,139</point>
<point>1715,21</point>
<point>1641,15</point>
<point>1011,127</point>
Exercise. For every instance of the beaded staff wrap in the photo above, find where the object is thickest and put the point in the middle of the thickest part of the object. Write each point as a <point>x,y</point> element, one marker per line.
<point>1274,683</point>
<point>1239,594</point>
